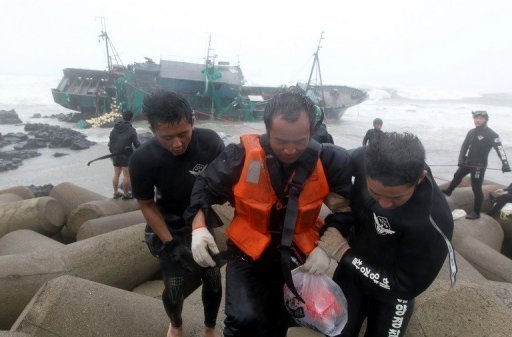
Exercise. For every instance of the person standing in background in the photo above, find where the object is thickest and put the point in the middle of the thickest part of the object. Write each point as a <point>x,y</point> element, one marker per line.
<point>123,139</point>
<point>371,133</point>
<point>473,159</point>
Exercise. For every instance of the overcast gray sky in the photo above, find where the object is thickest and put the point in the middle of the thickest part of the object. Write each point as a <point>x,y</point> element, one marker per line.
<point>447,44</point>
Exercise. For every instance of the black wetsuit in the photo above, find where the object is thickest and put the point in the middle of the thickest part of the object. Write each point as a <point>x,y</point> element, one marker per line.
<point>370,136</point>
<point>151,167</point>
<point>396,254</point>
<point>500,201</point>
<point>123,138</point>
<point>254,289</point>
<point>321,134</point>
<point>473,159</point>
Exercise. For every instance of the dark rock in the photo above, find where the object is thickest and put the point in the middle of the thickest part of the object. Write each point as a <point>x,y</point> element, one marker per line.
<point>10,160</point>
<point>41,191</point>
<point>60,154</point>
<point>58,137</point>
<point>36,116</point>
<point>9,117</point>
<point>39,136</point>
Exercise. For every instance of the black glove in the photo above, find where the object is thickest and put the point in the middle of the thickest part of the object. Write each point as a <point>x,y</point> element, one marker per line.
<point>505,168</point>
<point>176,252</point>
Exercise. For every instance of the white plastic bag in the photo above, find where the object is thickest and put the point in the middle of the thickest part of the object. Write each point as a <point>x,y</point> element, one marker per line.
<point>325,309</point>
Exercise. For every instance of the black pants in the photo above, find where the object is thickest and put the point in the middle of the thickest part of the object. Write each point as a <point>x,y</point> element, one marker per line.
<point>254,297</point>
<point>499,202</point>
<point>477,179</point>
<point>386,316</point>
<point>177,279</point>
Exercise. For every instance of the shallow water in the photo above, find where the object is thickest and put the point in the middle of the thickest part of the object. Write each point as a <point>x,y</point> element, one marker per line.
<point>441,125</point>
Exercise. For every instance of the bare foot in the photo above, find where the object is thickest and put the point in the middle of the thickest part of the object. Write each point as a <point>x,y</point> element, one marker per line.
<point>210,332</point>
<point>174,332</point>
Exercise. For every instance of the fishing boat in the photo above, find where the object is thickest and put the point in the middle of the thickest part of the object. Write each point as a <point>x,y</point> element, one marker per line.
<point>213,89</point>
<point>333,99</point>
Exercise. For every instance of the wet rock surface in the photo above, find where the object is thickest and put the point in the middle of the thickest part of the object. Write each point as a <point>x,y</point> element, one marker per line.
<point>38,136</point>
<point>9,117</point>
<point>40,190</point>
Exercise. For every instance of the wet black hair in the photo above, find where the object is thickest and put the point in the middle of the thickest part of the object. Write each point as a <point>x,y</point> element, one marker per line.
<point>166,107</point>
<point>377,121</point>
<point>288,105</point>
<point>395,159</point>
<point>127,115</point>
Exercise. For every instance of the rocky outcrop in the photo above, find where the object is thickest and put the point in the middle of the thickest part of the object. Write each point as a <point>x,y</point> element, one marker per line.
<point>39,136</point>
<point>9,117</point>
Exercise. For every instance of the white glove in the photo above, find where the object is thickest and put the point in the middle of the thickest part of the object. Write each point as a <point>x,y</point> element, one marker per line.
<point>317,262</point>
<point>202,241</point>
<point>333,243</point>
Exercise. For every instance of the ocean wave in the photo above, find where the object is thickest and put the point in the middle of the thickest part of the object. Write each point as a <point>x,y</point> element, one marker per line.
<point>421,94</point>
<point>27,89</point>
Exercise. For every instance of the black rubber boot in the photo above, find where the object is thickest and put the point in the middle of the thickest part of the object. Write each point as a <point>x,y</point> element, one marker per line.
<point>447,192</point>
<point>473,215</point>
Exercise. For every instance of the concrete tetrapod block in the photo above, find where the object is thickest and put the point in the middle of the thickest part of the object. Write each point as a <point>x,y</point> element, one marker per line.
<point>463,198</point>
<point>485,229</point>
<point>25,241</point>
<point>7,198</point>
<point>23,191</point>
<point>97,209</point>
<point>70,306</point>
<point>467,310</point>
<point>489,262</point>
<point>119,258</point>
<point>70,196</point>
<point>43,215</point>
<point>109,223</point>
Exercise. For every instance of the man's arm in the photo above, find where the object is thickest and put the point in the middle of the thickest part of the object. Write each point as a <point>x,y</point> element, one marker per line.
<point>338,170</point>
<point>498,147</point>
<point>464,149</point>
<point>215,184</point>
<point>366,137</point>
<point>155,219</point>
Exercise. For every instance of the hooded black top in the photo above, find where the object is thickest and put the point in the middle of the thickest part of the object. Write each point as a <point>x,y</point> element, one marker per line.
<point>122,137</point>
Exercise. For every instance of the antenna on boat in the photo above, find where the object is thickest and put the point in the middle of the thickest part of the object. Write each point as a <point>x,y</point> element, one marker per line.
<point>316,65</point>
<point>108,45</point>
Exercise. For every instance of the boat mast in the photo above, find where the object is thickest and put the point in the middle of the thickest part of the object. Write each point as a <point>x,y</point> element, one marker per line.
<point>108,45</point>
<point>316,65</point>
<point>209,68</point>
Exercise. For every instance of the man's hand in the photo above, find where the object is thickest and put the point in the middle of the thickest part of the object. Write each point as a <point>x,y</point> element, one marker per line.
<point>505,168</point>
<point>174,251</point>
<point>317,262</point>
<point>202,243</point>
<point>333,243</point>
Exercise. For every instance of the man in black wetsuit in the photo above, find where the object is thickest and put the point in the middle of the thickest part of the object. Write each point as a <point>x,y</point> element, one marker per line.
<point>473,159</point>
<point>400,237</point>
<point>169,163</point>
<point>371,133</point>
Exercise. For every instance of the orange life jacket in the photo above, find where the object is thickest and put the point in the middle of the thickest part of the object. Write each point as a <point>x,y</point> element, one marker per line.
<point>255,198</point>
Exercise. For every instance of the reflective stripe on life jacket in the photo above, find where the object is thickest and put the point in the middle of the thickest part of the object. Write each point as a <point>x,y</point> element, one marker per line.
<point>255,198</point>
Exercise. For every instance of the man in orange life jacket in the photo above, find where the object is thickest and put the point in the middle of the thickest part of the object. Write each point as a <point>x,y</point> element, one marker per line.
<point>258,177</point>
